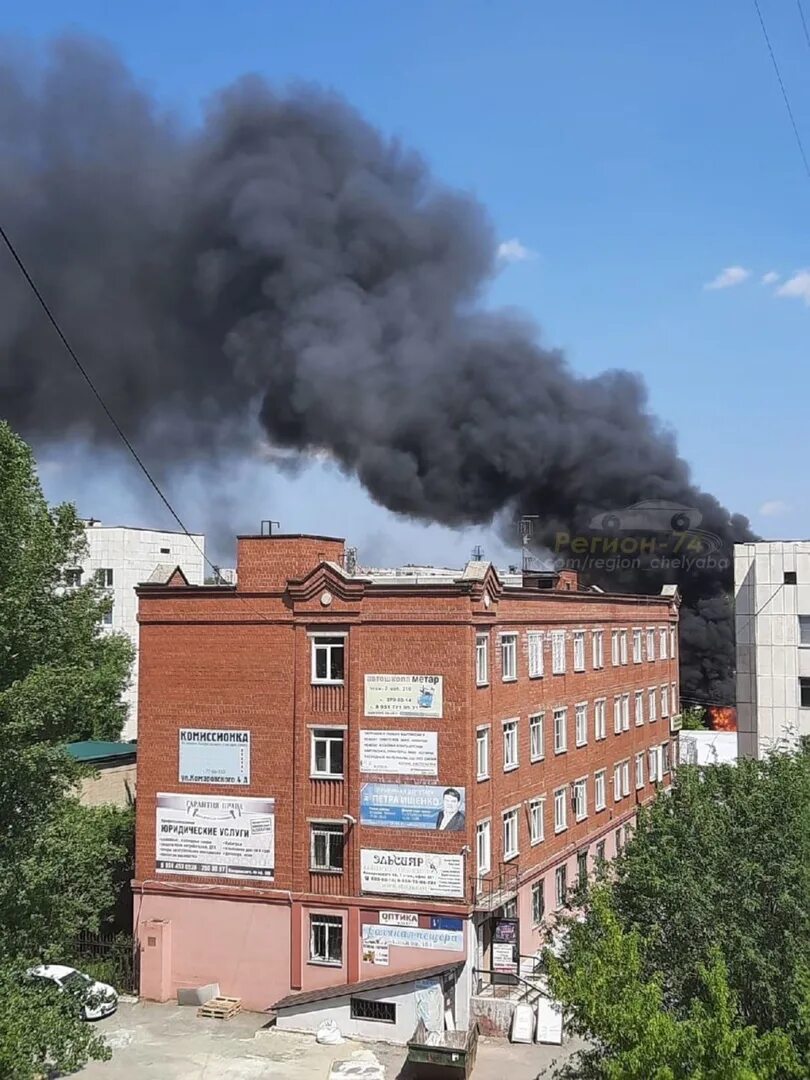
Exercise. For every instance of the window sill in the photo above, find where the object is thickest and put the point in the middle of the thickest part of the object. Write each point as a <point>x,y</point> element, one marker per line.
<point>579,819</point>
<point>328,682</point>
<point>560,829</point>
<point>559,753</point>
<point>325,963</point>
<point>482,684</point>
<point>480,778</point>
<point>511,768</point>
<point>581,744</point>
<point>508,858</point>
<point>599,809</point>
<point>332,871</point>
<point>558,672</point>
<point>539,840</point>
<point>534,760</point>
<point>509,678</point>
<point>326,776</point>
<point>579,670</point>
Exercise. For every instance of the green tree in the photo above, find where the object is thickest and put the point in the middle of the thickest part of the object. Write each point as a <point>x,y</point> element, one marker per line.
<point>61,679</point>
<point>694,718</point>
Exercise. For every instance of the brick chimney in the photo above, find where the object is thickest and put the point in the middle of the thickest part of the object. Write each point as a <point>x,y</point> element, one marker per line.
<point>267,563</point>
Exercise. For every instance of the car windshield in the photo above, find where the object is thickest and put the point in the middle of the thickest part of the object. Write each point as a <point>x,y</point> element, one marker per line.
<point>75,981</point>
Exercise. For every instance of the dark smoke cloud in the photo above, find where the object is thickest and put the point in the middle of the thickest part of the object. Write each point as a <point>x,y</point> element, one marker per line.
<point>285,261</point>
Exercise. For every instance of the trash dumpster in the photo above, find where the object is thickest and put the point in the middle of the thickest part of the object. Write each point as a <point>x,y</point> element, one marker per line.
<point>442,1055</point>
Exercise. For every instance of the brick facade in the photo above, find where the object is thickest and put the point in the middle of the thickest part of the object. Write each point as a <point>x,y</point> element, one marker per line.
<point>240,658</point>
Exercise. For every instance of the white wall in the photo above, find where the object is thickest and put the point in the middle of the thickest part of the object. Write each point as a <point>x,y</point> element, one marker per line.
<point>708,747</point>
<point>132,555</point>
<point>769,657</point>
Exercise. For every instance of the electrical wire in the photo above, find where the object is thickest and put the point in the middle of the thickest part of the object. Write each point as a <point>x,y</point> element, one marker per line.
<point>781,82</point>
<point>804,22</point>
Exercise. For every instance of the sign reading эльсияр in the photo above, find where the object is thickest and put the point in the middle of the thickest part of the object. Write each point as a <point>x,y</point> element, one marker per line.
<point>214,756</point>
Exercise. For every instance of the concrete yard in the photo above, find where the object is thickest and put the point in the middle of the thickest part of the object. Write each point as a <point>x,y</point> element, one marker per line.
<point>167,1042</point>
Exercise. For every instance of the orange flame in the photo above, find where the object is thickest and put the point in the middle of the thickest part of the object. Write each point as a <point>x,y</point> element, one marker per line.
<point>722,718</point>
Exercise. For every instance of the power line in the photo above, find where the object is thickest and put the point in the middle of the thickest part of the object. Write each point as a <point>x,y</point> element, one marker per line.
<point>804,22</point>
<point>793,124</point>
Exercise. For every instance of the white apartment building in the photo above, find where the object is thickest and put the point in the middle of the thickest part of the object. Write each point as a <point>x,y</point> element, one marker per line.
<point>123,557</point>
<point>772,617</point>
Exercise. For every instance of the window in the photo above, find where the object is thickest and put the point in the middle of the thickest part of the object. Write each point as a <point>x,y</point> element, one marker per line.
<point>640,770</point>
<point>600,852</point>
<point>619,840</point>
<point>537,750</point>
<point>104,578</point>
<point>560,730</point>
<point>326,752</point>
<point>107,617</point>
<point>665,758</point>
<point>481,659</point>
<point>558,652</point>
<point>326,846</point>
<point>508,657</point>
<point>599,720</point>
<point>790,577</point>
<point>510,834</point>
<point>598,649</point>
<point>672,642</point>
<point>637,645</point>
<point>599,789</point>
<point>614,647</point>
<point>510,744</point>
<point>617,714</point>
<point>535,640</point>
<point>582,869</point>
<point>560,885</point>
<point>804,623</point>
<point>625,778</point>
<point>650,643</point>
<point>662,643</point>
<point>73,577</point>
<point>652,764</point>
<point>165,551</point>
<point>538,902</point>
<point>581,799</point>
<point>510,909</point>
<point>804,693</point>
<point>665,701</point>
<point>581,723</point>
<point>625,712</point>
<point>579,650</point>
<point>560,809</point>
<point>617,782</point>
<point>483,848</point>
<point>651,703</point>
<point>537,828</point>
<point>639,707</point>
<point>673,701</point>
<point>326,939</point>
<point>328,655</point>
<point>482,753</point>
<point>362,1009</point>
<point>623,646</point>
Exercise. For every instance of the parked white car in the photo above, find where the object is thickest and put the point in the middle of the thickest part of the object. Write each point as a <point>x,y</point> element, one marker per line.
<point>98,998</point>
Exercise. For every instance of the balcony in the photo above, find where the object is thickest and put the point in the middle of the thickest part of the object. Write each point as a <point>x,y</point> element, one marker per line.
<point>491,891</point>
<point>328,698</point>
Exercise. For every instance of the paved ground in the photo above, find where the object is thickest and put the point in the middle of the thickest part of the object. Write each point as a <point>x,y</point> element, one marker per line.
<point>167,1042</point>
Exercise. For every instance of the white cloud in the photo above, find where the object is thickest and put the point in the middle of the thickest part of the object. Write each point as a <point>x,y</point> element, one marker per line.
<point>773,508</point>
<point>726,279</point>
<point>798,287</point>
<point>770,278</point>
<point>513,251</point>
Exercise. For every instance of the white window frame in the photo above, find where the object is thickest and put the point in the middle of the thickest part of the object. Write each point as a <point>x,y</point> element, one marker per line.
<point>600,789</point>
<point>581,723</point>
<point>639,707</point>
<point>623,646</point>
<point>640,770</point>
<point>663,635</point>
<point>483,846</point>
<point>330,923</point>
<point>511,743</point>
<point>652,704</point>
<point>328,735</point>
<point>625,712</point>
<point>560,729</point>
<point>537,823</point>
<point>626,778</point>
<point>673,701</point>
<point>653,761</point>
<point>482,659</point>
<point>534,645</point>
<point>557,652</point>
<point>318,642</point>
<point>637,643</point>
<point>560,810</point>
<point>600,719</point>
<point>538,889</point>
<point>614,648</point>
<point>672,643</point>
<point>579,650</point>
<point>617,782</point>
<point>665,759</point>
<point>537,742</point>
<point>508,647</point>
<point>617,714</point>
<point>651,643</point>
<point>664,701</point>
<point>511,816</point>
<point>105,577</point>
<point>482,739</point>
<point>327,829</point>
<point>581,798</point>
<point>598,649</point>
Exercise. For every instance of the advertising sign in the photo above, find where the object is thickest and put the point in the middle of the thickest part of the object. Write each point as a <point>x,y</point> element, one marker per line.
<point>413,806</point>
<point>209,756</point>
<point>375,954</point>
<point>506,947</point>
<point>403,753</point>
<point>409,696</point>
<point>411,873</point>
<point>413,937</point>
<point>215,836</point>
<point>399,918</point>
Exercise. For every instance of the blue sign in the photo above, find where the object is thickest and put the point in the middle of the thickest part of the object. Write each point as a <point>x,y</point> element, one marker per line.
<point>413,806</point>
<point>445,922</point>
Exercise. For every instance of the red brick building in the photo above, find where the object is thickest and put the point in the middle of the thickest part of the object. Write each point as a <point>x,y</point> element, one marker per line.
<point>343,777</point>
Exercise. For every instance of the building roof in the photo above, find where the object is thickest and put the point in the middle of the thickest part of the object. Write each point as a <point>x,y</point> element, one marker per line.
<point>94,524</point>
<point>94,750</point>
<point>307,997</point>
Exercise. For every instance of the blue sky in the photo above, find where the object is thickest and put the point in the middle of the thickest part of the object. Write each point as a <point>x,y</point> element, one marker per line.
<point>635,151</point>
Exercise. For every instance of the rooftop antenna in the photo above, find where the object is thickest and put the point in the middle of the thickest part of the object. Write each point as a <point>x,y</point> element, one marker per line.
<point>477,553</point>
<point>526,527</point>
<point>267,527</point>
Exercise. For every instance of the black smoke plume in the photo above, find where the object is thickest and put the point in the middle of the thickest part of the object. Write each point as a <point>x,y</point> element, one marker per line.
<point>283,260</point>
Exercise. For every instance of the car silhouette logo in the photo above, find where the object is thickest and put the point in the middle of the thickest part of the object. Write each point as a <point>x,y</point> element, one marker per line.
<point>650,515</point>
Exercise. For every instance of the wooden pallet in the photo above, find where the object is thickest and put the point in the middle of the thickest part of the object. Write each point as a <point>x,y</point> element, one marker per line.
<point>220,1008</point>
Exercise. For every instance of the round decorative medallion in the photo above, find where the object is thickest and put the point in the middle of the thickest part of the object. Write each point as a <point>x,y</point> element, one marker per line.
<point>326,598</point>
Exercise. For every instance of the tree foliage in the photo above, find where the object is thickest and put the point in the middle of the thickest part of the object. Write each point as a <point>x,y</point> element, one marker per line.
<point>61,679</point>
<point>705,920</point>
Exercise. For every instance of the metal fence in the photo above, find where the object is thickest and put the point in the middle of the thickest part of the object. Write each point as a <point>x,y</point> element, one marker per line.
<point>110,958</point>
